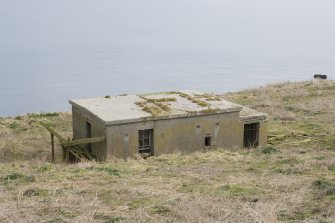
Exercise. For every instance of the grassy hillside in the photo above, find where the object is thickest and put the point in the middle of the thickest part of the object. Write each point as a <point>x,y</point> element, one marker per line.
<point>291,180</point>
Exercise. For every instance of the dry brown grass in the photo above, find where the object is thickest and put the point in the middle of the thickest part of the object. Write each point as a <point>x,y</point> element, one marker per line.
<point>291,181</point>
<point>23,139</point>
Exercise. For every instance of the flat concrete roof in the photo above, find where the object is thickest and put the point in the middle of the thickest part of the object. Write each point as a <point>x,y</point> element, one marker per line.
<point>164,105</point>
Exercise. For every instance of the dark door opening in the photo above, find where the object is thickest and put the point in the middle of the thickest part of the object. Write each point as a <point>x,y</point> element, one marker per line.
<point>89,135</point>
<point>145,142</point>
<point>251,135</point>
<point>208,141</point>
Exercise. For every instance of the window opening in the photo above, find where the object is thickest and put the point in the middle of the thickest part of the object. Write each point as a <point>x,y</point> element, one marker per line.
<point>251,135</point>
<point>145,142</point>
<point>208,141</point>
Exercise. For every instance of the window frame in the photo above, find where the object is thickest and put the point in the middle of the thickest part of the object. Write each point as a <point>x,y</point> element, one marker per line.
<point>251,134</point>
<point>145,141</point>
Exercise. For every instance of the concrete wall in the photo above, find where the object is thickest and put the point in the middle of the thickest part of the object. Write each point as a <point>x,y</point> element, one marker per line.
<point>79,120</point>
<point>188,134</point>
<point>122,140</point>
<point>182,134</point>
<point>170,135</point>
<point>263,134</point>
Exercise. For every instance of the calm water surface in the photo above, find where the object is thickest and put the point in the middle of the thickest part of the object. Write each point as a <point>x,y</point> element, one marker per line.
<point>51,51</point>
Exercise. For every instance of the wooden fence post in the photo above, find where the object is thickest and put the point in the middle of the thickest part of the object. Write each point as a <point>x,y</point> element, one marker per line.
<point>52,148</point>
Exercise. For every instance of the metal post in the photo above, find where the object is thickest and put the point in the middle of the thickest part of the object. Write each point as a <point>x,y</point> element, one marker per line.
<point>52,148</point>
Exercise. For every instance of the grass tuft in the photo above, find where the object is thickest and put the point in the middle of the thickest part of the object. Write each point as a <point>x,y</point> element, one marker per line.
<point>269,150</point>
<point>324,187</point>
<point>160,209</point>
<point>111,171</point>
<point>17,178</point>
<point>43,115</point>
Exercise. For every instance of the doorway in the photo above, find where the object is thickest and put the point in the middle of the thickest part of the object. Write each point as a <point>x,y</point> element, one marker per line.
<point>251,135</point>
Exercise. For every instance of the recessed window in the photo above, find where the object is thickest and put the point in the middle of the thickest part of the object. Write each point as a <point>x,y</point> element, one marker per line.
<point>145,141</point>
<point>208,140</point>
<point>251,135</point>
<point>198,126</point>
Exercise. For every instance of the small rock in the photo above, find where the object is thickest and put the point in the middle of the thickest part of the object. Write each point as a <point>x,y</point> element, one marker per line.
<point>31,192</point>
<point>255,199</point>
<point>320,76</point>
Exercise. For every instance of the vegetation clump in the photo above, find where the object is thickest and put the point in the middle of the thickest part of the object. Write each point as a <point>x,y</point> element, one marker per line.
<point>151,100</point>
<point>164,107</point>
<point>43,115</point>
<point>269,150</point>
<point>13,125</point>
<point>17,178</point>
<point>324,187</point>
<point>31,192</point>
<point>213,98</point>
<point>45,167</point>
<point>194,100</point>
<point>209,97</point>
<point>200,102</point>
<point>152,109</point>
<point>111,171</point>
<point>141,103</point>
<point>209,110</point>
<point>157,106</point>
<point>160,209</point>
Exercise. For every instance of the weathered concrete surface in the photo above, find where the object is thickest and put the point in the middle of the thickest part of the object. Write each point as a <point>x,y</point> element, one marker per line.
<point>79,121</point>
<point>112,109</point>
<point>124,109</point>
<point>248,115</point>
<point>182,134</point>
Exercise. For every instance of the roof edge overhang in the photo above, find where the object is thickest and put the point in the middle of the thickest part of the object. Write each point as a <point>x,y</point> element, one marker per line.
<point>253,118</point>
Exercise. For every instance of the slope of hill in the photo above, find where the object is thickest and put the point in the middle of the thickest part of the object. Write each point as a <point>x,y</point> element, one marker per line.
<point>291,180</point>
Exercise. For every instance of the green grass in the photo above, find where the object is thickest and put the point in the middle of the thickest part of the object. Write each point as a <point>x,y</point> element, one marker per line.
<point>269,150</point>
<point>111,171</point>
<point>17,178</point>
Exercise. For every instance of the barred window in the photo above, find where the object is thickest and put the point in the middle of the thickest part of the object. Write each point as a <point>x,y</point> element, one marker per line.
<point>251,134</point>
<point>145,141</point>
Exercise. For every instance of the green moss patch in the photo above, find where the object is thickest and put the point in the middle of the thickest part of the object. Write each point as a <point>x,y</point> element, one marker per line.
<point>17,178</point>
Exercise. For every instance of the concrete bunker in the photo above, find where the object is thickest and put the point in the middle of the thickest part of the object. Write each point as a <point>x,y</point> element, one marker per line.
<point>167,122</point>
